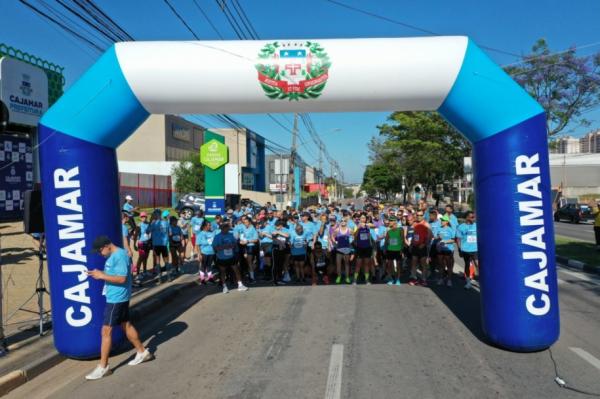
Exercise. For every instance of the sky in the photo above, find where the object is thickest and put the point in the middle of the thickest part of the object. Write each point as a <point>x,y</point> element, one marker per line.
<point>510,26</point>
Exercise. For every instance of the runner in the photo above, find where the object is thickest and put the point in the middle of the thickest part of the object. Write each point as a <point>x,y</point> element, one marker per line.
<point>207,253</point>
<point>364,249</point>
<point>451,217</point>
<point>266,246</point>
<point>225,247</point>
<point>467,245</point>
<point>196,223</point>
<point>418,250</point>
<point>340,240</point>
<point>159,233</point>
<point>379,234</point>
<point>299,248</point>
<point>280,236</point>
<point>131,210</point>
<point>249,242</point>
<point>445,249</point>
<point>126,234</point>
<point>319,260</point>
<point>394,242</point>
<point>184,224</point>
<point>175,238</point>
<point>117,289</point>
<point>143,246</point>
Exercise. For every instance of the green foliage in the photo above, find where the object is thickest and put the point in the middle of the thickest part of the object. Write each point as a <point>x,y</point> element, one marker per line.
<point>564,84</point>
<point>189,175</point>
<point>419,147</point>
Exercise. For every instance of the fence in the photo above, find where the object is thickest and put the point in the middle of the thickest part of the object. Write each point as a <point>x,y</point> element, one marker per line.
<point>148,191</point>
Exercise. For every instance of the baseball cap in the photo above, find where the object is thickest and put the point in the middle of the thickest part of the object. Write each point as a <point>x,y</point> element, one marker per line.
<point>143,214</point>
<point>99,243</point>
<point>165,213</point>
<point>128,197</point>
<point>445,218</point>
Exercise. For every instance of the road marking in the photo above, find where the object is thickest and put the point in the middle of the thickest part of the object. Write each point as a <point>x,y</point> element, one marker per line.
<point>587,357</point>
<point>334,380</point>
<point>581,276</point>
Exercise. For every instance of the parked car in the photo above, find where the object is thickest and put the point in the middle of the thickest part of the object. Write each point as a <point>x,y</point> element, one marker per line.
<point>571,212</point>
<point>189,204</point>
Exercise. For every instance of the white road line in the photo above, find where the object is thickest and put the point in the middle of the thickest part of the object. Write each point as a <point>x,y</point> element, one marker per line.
<point>581,276</point>
<point>587,357</point>
<point>334,380</point>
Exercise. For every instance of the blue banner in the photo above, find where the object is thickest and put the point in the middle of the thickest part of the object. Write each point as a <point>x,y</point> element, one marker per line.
<point>16,174</point>
<point>214,206</point>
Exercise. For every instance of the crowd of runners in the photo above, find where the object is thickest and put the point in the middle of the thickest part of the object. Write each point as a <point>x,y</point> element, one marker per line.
<point>322,244</point>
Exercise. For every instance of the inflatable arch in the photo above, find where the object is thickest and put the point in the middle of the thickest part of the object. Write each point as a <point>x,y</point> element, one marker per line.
<point>80,133</point>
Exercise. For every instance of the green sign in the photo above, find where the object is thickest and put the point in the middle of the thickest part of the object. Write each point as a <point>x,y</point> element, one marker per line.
<point>213,154</point>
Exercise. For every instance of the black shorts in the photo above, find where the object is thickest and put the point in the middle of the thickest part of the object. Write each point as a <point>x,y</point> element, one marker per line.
<point>364,253</point>
<point>393,255</point>
<point>161,250</point>
<point>267,248</point>
<point>419,252</point>
<point>250,249</point>
<point>299,258</point>
<point>469,256</point>
<point>116,313</point>
<point>225,262</point>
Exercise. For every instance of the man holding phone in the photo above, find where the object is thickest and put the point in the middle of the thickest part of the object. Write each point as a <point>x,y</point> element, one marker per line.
<point>117,289</point>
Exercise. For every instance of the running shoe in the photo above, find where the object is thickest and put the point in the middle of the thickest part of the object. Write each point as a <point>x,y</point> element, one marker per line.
<point>99,372</point>
<point>449,283</point>
<point>202,276</point>
<point>338,280</point>
<point>279,282</point>
<point>412,282</point>
<point>398,283</point>
<point>368,282</point>
<point>354,283</point>
<point>440,282</point>
<point>141,357</point>
<point>348,280</point>
<point>391,282</point>
<point>225,289</point>
<point>468,285</point>
<point>242,287</point>
<point>286,278</point>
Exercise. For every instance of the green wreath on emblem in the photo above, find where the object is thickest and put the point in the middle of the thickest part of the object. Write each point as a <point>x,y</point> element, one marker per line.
<point>320,66</point>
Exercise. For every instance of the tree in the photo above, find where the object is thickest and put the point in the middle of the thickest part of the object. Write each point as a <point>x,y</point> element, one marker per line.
<point>421,147</point>
<point>564,84</point>
<point>189,175</point>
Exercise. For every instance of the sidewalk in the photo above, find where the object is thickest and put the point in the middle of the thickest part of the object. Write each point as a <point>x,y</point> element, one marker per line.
<point>27,359</point>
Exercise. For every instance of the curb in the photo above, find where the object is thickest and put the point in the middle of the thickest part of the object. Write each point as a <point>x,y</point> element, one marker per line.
<point>575,264</point>
<point>16,378</point>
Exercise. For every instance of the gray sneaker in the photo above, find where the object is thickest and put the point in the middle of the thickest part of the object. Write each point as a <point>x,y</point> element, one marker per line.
<point>141,358</point>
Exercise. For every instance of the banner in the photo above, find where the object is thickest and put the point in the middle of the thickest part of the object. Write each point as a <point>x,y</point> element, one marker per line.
<point>16,175</point>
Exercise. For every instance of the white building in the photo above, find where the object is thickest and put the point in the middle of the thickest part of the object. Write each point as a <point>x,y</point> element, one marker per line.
<point>578,173</point>
<point>568,145</point>
<point>590,142</point>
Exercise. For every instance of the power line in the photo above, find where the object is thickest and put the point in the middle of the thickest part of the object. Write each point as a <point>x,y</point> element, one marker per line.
<point>109,20</point>
<point>233,23</point>
<point>110,38</point>
<point>244,18</point>
<point>63,26</point>
<point>409,26</point>
<point>208,20</point>
<point>181,19</point>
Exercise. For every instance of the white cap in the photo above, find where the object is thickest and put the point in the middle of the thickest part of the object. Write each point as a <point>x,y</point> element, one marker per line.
<point>129,198</point>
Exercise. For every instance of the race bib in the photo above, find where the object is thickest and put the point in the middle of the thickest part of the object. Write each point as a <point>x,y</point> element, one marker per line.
<point>298,244</point>
<point>228,252</point>
<point>242,236</point>
<point>196,229</point>
<point>472,239</point>
<point>364,236</point>
<point>320,264</point>
<point>393,241</point>
<point>416,237</point>
<point>281,238</point>
<point>177,238</point>
<point>209,241</point>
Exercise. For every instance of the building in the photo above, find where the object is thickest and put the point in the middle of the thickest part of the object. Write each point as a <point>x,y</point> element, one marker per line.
<point>590,142</point>
<point>278,172</point>
<point>578,174</point>
<point>568,145</point>
<point>163,138</point>
<point>245,173</point>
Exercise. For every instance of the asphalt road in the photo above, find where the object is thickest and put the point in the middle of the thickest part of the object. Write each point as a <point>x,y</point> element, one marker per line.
<point>581,231</point>
<point>340,341</point>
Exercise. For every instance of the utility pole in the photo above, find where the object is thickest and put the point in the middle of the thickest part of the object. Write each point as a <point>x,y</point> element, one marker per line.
<point>320,173</point>
<point>294,148</point>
